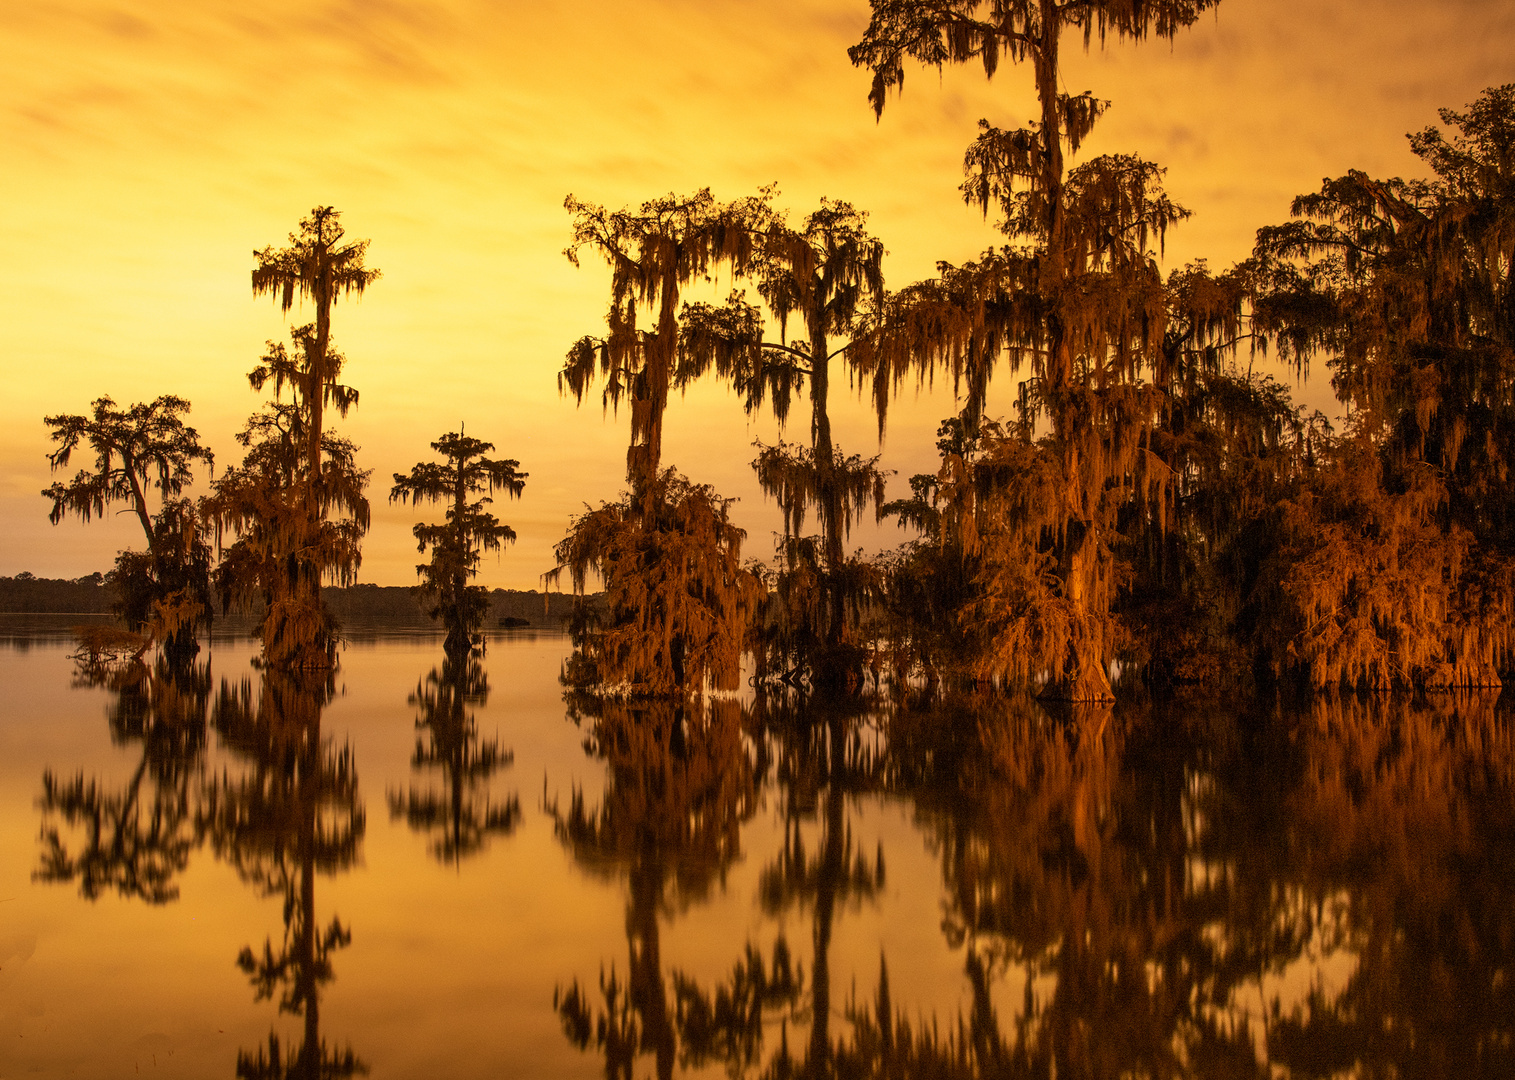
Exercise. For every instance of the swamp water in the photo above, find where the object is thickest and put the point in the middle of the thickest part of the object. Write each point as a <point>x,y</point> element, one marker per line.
<point>430,870</point>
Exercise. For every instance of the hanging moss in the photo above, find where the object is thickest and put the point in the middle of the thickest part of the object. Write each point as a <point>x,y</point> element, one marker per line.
<point>1392,565</point>
<point>676,597</point>
<point>296,505</point>
<point>1075,301</point>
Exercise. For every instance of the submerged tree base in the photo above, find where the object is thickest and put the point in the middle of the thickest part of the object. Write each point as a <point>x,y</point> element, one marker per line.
<point>299,636</point>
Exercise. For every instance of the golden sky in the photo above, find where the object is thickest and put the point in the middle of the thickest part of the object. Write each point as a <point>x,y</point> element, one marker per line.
<point>148,146</point>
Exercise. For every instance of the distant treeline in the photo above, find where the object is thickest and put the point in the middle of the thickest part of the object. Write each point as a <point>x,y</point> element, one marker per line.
<point>34,595</point>
<point>94,595</point>
<point>372,601</point>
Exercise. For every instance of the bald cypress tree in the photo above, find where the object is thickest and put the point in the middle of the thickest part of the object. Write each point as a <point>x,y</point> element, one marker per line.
<point>677,598</point>
<point>143,450</point>
<point>1074,300</point>
<point>296,505</point>
<point>824,274</point>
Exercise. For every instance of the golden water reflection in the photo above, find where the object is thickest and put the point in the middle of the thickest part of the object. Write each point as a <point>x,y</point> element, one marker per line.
<point>461,817</point>
<point>292,811</point>
<point>1313,889</point>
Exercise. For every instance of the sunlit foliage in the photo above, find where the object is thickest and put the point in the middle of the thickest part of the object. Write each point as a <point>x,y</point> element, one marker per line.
<point>1399,572</point>
<point>296,504</point>
<point>468,532</point>
<point>676,596</point>
<point>279,554</point>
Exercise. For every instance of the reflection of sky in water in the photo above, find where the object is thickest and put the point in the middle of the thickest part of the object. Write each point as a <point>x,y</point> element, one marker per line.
<point>453,964</point>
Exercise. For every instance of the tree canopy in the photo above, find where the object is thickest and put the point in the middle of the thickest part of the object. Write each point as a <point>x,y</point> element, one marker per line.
<point>142,449</point>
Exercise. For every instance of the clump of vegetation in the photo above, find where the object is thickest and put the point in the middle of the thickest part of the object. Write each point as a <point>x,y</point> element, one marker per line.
<point>1391,566</point>
<point>105,647</point>
<point>677,599</point>
<point>468,532</point>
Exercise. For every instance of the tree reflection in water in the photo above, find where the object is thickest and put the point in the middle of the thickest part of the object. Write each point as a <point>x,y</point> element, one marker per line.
<point>1149,891</point>
<point>462,817</point>
<point>137,839</point>
<point>1403,834</point>
<point>1159,888</point>
<point>824,754</point>
<point>681,779</point>
<point>1066,845</point>
<point>1306,890</point>
<point>293,812</point>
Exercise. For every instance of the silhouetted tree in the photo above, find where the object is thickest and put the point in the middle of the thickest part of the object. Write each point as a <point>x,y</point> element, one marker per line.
<point>824,273</point>
<point>165,590</point>
<point>469,531</point>
<point>316,266</point>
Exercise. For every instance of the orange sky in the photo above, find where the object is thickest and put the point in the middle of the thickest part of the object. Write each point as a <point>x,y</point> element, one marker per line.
<point>150,145</point>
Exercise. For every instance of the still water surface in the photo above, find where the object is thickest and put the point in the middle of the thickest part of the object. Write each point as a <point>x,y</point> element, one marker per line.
<point>433,870</point>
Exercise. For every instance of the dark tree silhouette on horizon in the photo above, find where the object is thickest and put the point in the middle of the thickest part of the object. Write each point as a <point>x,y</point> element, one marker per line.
<point>469,530</point>
<point>141,449</point>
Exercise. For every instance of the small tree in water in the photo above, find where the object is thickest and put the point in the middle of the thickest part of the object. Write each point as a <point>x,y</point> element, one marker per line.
<point>166,589</point>
<point>469,531</point>
<point>677,599</point>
